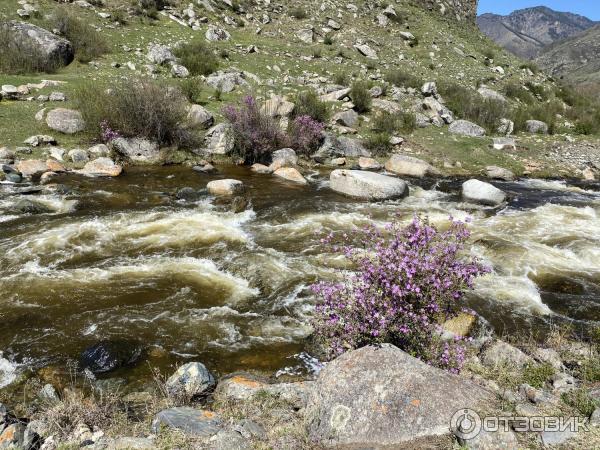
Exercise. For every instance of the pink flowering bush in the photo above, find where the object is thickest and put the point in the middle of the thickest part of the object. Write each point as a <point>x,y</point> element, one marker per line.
<point>107,134</point>
<point>409,281</point>
<point>305,134</point>
<point>257,134</point>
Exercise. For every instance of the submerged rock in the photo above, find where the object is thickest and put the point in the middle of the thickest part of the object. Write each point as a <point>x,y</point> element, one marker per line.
<point>107,356</point>
<point>367,185</point>
<point>381,397</point>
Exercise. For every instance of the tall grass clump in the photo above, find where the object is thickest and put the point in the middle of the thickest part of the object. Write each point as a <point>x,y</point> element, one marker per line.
<point>409,280</point>
<point>307,103</point>
<point>402,78</point>
<point>546,112</point>
<point>257,134</point>
<point>360,95</point>
<point>137,108</point>
<point>19,57</point>
<point>88,43</point>
<point>517,92</point>
<point>197,57</point>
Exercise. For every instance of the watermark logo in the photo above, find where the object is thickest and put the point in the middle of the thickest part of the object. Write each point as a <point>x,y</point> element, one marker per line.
<point>466,424</point>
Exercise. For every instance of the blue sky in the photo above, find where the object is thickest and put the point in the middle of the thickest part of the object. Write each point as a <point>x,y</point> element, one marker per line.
<point>588,8</point>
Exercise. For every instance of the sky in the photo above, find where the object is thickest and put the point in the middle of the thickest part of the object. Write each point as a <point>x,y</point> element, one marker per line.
<point>588,8</point>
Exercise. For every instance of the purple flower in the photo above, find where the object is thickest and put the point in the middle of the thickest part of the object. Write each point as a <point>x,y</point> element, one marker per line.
<point>408,281</point>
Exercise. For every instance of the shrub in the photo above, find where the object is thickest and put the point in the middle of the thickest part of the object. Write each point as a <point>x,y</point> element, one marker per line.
<point>197,57</point>
<point>402,78</point>
<point>545,112</point>
<point>119,16</point>
<point>390,123</point>
<point>136,108</point>
<point>88,43</point>
<point>341,78</point>
<point>581,400</point>
<point>305,134</point>
<point>410,280</point>
<point>298,13</point>
<point>328,39</point>
<point>18,57</point>
<point>537,89</point>
<point>518,92</point>
<point>307,103</point>
<point>378,143</point>
<point>468,104</point>
<point>360,95</point>
<point>531,66</point>
<point>536,375</point>
<point>257,134</point>
<point>192,88</point>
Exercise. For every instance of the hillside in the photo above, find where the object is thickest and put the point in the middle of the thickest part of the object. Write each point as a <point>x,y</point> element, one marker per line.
<point>576,59</point>
<point>526,32</point>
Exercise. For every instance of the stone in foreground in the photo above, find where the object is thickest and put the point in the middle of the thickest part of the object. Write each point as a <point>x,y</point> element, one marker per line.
<point>367,185</point>
<point>66,121</point>
<point>190,380</point>
<point>225,187</point>
<point>197,422</point>
<point>381,397</point>
<point>138,150</point>
<point>484,193</point>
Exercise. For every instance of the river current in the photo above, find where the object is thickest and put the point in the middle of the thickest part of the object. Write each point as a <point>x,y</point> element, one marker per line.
<point>125,259</point>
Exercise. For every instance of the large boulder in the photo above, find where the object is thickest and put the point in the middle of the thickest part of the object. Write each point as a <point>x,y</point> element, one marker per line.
<point>285,157</point>
<point>381,397</point>
<point>409,166</point>
<point>499,173</point>
<point>66,121</point>
<point>481,192</point>
<point>137,150</point>
<point>367,185</point>
<point>32,168</point>
<point>219,139</point>
<point>348,118</point>
<point>227,81</point>
<point>352,148</point>
<point>216,34</point>
<point>490,94</point>
<point>199,116</point>
<point>277,106</point>
<point>536,127</point>
<point>190,421</point>
<point>55,50</point>
<point>159,54</point>
<point>466,128</point>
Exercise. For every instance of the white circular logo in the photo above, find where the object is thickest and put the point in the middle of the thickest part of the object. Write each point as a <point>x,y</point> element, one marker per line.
<point>465,424</point>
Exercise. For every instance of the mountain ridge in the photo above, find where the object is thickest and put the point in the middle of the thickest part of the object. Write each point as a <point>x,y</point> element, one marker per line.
<point>527,32</point>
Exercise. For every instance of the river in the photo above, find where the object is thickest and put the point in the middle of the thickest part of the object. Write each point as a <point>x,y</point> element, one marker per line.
<point>124,259</point>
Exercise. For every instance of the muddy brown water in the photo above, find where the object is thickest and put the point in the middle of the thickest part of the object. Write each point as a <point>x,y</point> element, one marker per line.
<point>124,259</point>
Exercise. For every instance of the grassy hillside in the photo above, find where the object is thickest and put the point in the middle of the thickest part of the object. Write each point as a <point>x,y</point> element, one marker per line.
<point>264,43</point>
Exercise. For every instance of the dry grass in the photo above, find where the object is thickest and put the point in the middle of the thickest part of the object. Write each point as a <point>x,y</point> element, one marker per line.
<point>20,58</point>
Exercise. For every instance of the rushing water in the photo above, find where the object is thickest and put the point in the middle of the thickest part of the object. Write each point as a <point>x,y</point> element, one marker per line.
<point>125,259</point>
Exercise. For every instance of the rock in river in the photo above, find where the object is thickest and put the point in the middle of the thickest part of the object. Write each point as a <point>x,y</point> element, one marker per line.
<point>225,187</point>
<point>106,356</point>
<point>367,185</point>
<point>480,192</point>
<point>381,397</point>
<point>409,166</point>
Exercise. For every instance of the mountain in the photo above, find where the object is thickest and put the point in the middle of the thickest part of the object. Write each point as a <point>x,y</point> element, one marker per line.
<point>576,59</point>
<point>526,32</point>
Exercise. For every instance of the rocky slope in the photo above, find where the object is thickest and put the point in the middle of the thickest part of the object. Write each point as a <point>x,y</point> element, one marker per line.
<point>526,32</point>
<point>576,59</point>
